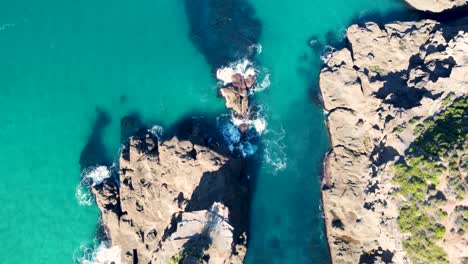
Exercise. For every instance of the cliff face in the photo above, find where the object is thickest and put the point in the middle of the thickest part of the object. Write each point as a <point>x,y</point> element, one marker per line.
<point>436,6</point>
<point>376,92</point>
<point>177,202</point>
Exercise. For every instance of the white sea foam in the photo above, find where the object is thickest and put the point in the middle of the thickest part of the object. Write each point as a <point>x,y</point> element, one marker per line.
<point>259,124</point>
<point>264,84</point>
<point>83,194</point>
<point>275,150</point>
<point>327,54</point>
<point>243,67</point>
<point>100,255</point>
<point>97,174</point>
<point>90,177</point>
<point>157,131</point>
<point>258,47</point>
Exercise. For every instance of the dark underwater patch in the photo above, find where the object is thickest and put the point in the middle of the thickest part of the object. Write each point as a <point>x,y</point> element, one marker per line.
<point>223,30</point>
<point>94,153</point>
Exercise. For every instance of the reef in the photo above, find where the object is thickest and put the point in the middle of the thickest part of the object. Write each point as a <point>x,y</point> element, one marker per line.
<point>175,201</point>
<point>385,199</point>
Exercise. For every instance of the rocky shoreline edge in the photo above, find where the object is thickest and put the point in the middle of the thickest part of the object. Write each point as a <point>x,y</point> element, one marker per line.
<point>378,92</point>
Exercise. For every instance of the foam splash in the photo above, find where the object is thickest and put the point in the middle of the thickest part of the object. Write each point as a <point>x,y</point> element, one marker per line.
<point>263,84</point>
<point>275,150</point>
<point>157,131</point>
<point>97,174</point>
<point>259,124</point>
<point>89,178</point>
<point>243,67</point>
<point>327,54</point>
<point>102,254</point>
<point>258,47</point>
<point>240,144</point>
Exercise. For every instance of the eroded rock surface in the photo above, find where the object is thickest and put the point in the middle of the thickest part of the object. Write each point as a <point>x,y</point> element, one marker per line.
<point>176,202</point>
<point>236,93</point>
<point>436,6</point>
<point>373,91</point>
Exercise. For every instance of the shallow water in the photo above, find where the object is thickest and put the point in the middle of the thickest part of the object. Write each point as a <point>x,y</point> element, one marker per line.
<point>60,60</point>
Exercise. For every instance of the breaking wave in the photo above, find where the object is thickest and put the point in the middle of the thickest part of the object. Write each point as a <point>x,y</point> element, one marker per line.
<point>243,67</point>
<point>263,81</point>
<point>97,253</point>
<point>242,144</point>
<point>327,54</point>
<point>157,131</point>
<point>89,178</point>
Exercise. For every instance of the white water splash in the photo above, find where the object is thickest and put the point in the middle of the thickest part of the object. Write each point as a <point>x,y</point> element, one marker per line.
<point>258,47</point>
<point>97,174</point>
<point>243,67</point>
<point>100,255</point>
<point>327,54</point>
<point>275,150</point>
<point>89,178</point>
<point>157,131</point>
<point>259,124</point>
<point>264,84</point>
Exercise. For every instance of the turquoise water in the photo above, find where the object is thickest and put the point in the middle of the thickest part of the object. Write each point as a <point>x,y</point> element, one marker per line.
<point>62,59</point>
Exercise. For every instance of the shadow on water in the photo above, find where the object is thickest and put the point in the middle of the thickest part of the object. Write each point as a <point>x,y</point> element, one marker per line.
<point>94,153</point>
<point>223,31</point>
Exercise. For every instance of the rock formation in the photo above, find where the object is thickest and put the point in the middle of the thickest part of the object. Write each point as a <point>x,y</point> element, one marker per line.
<point>376,91</point>
<point>236,93</point>
<point>436,6</point>
<point>174,202</point>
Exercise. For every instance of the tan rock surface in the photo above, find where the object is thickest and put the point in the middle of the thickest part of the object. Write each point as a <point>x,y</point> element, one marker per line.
<point>387,76</point>
<point>176,200</point>
<point>436,6</point>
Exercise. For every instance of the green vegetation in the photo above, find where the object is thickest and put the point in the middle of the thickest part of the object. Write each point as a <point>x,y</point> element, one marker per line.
<point>436,151</point>
<point>448,100</point>
<point>192,251</point>
<point>415,120</point>
<point>377,69</point>
<point>399,129</point>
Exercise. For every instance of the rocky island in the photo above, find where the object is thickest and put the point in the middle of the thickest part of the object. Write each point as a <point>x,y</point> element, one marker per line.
<point>174,201</point>
<point>395,181</point>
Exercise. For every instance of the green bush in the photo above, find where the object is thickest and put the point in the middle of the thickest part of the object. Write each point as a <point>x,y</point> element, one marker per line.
<point>438,139</point>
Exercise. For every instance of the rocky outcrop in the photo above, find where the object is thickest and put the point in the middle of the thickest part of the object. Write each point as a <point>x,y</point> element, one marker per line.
<point>376,91</point>
<point>436,6</point>
<point>174,202</point>
<point>236,93</point>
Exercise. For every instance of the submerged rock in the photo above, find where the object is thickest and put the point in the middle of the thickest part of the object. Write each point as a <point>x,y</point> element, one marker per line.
<point>437,6</point>
<point>375,91</point>
<point>175,202</point>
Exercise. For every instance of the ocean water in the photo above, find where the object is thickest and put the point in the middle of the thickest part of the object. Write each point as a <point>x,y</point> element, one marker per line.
<point>71,70</point>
